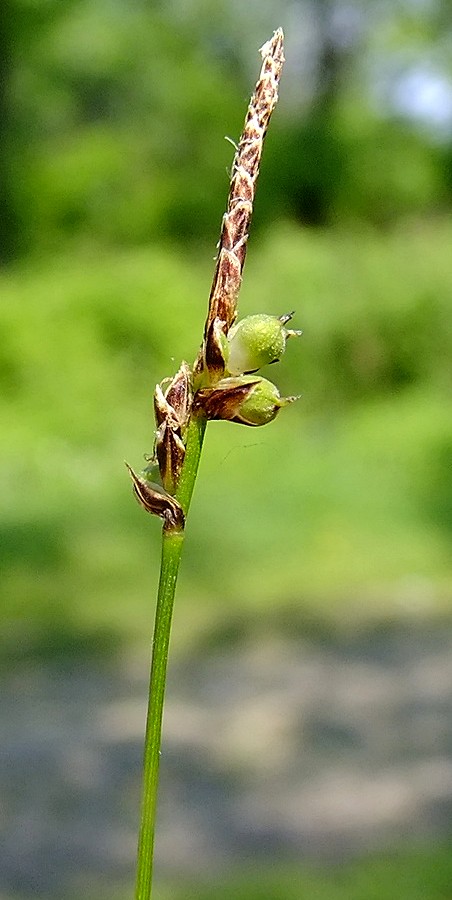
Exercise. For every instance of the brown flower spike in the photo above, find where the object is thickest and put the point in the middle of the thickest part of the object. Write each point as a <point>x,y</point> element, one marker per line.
<point>236,220</point>
<point>208,391</point>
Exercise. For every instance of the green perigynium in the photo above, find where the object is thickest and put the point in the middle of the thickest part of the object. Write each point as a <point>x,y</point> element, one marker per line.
<point>262,404</point>
<point>246,399</point>
<point>256,341</point>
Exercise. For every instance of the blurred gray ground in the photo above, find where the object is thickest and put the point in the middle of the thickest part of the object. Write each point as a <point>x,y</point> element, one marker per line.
<point>299,749</point>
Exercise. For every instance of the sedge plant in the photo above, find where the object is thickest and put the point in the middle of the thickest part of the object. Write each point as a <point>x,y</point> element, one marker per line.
<point>221,384</point>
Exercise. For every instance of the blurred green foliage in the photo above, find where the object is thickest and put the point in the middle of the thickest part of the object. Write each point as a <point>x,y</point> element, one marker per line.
<point>112,116</point>
<point>406,875</point>
<point>352,518</point>
<point>419,874</point>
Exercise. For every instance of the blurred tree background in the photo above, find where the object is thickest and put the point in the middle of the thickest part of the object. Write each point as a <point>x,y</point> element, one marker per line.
<point>105,137</point>
<point>113,180</point>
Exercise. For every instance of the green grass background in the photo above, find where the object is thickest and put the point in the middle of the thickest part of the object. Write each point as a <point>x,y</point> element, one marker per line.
<point>423,874</point>
<point>405,876</point>
<point>337,515</point>
<point>341,508</point>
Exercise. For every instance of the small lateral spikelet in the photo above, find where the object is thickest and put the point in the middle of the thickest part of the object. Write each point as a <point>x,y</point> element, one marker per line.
<point>154,499</point>
<point>170,452</point>
<point>175,402</point>
<point>219,402</point>
<point>246,399</point>
<point>172,411</point>
<point>236,220</point>
<point>179,395</point>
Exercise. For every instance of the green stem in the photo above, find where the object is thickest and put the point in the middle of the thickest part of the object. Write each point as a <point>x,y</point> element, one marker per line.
<point>172,543</point>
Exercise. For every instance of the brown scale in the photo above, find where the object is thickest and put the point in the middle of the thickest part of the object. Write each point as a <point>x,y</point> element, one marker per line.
<point>236,220</point>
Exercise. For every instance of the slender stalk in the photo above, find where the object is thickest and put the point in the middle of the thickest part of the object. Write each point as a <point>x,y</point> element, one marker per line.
<point>181,423</point>
<point>172,543</point>
<point>194,441</point>
<point>171,552</point>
